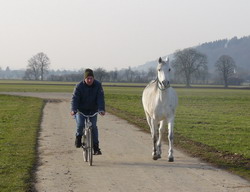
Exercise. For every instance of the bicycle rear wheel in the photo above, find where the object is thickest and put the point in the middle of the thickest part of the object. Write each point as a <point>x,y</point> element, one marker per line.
<point>90,147</point>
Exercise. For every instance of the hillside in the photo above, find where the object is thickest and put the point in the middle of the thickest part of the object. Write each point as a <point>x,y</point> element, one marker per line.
<point>238,49</point>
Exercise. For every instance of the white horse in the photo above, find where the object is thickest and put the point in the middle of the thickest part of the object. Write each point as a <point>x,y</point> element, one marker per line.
<point>159,102</point>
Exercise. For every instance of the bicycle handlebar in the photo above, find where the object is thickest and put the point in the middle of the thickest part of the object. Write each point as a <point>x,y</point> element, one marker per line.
<point>88,115</point>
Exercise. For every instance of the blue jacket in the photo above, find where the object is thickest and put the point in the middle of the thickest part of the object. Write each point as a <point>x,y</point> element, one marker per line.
<point>88,99</point>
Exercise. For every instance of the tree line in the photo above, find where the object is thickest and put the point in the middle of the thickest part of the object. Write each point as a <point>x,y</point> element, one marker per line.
<point>190,67</point>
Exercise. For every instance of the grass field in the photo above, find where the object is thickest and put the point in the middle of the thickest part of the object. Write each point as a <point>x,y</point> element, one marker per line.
<point>19,124</point>
<point>212,124</point>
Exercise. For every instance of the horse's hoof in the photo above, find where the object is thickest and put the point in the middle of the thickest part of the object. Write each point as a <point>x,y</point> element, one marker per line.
<point>171,159</point>
<point>155,157</point>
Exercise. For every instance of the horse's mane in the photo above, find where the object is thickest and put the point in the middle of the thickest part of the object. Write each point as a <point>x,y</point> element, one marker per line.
<point>151,82</point>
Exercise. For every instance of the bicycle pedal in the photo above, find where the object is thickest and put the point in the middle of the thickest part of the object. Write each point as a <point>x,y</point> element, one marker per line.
<point>84,146</point>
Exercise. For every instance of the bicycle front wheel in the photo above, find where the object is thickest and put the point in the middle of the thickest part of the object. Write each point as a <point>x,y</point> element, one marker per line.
<point>90,147</point>
<point>85,151</point>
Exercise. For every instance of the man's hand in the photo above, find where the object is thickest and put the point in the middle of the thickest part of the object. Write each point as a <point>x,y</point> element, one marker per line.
<point>102,113</point>
<point>72,113</point>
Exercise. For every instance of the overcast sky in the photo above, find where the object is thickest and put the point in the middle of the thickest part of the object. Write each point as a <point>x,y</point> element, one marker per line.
<point>113,34</point>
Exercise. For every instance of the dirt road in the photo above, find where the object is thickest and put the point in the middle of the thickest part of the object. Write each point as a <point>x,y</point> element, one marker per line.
<point>126,163</point>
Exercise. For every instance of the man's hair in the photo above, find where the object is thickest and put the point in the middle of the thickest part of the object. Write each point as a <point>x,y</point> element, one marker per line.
<point>88,72</point>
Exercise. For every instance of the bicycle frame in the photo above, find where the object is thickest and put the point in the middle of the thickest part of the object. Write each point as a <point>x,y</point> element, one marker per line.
<point>88,139</point>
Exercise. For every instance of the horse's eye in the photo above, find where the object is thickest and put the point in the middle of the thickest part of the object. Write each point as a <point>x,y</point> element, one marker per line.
<point>169,70</point>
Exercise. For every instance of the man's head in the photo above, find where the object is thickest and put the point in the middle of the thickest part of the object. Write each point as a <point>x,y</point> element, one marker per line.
<point>89,77</point>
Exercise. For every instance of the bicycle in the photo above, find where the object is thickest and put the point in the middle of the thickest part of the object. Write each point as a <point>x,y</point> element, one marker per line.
<point>87,144</point>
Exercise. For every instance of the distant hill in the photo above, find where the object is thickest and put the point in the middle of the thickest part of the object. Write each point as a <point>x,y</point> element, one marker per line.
<point>238,49</point>
<point>150,64</point>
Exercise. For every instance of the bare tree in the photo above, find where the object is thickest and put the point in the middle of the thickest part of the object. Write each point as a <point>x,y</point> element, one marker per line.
<point>113,75</point>
<point>151,73</point>
<point>189,62</point>
<point>38,65</point>
<point>226,67</point>
<point>30,74</point>
<point>100,73</point>
<point>129,74</point>
<point>44,63</point>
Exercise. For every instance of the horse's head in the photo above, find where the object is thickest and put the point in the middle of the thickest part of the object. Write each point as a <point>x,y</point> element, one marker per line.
<point>163,73</point>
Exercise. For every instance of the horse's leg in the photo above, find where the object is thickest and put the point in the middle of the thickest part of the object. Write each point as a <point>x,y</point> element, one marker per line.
<point>154,126</point>
<point>161,132</point>
<point>150,123</point>
<point>170,140</point>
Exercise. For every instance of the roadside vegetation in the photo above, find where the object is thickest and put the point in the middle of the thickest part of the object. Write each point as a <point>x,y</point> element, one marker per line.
<point>19,125</point>
<point>212,124</point>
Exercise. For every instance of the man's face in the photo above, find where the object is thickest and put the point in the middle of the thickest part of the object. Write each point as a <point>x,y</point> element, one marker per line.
<point>89,80</point>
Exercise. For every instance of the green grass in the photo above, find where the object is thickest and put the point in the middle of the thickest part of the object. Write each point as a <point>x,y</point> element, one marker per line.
<point>49,86</point>
<point>217,124</point>
<point>35,86</point>
<point>218,119</point>
<point>19,124</point>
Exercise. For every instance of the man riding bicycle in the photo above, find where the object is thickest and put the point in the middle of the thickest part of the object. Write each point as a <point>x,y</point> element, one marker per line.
<point>88,98</point>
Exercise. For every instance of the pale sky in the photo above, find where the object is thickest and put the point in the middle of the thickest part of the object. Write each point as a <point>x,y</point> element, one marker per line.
<point>113,34</point>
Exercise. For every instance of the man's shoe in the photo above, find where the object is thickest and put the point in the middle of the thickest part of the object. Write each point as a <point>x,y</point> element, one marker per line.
<point>98,152</point>
<point>78,141</point>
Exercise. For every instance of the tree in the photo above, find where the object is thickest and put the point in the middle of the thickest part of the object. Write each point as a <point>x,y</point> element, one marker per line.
<point>38,65</point>
<point>226,67</point>
<point>189,62</point>
<point>129,74</point>
<point>113,75</point>
<point>100,73</point>
<point>151,73</point>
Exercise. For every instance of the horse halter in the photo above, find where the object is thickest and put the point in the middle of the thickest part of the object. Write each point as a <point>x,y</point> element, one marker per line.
<point>161,85</point>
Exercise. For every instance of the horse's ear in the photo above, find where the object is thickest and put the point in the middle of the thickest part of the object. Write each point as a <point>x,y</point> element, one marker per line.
<point>160,60</point>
